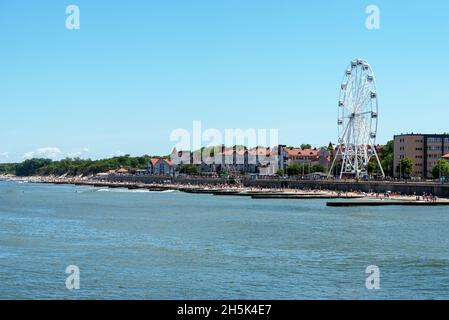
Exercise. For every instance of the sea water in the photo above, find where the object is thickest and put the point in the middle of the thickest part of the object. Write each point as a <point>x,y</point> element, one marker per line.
<point>173,245</point>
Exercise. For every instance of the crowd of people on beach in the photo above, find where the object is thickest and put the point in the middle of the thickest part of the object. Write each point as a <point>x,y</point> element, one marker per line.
<point>428,197</point>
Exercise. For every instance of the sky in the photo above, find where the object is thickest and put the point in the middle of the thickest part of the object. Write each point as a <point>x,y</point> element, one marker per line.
<point>137,70</point>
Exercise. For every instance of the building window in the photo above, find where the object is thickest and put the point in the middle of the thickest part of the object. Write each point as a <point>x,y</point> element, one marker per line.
<point>434,140</point>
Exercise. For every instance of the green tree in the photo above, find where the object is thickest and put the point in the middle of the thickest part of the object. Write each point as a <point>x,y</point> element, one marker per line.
<point>386,160</point>
<point>31,166</point>
<point>77,166</point>
<point>405,167</point>
<point>304,168</point>
<point>441,169</point>
<point>318,168</point>
<point>294,169</point>
<point>373,167</point>
<point>190,169</point>
<point>306,146</point>
<point>280,173</point>
<point>386,157</point>
<point>7,168</point>
<point>387,164</point>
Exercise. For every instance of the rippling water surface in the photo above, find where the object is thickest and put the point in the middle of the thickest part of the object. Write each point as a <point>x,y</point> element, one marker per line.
<point>171,245</point>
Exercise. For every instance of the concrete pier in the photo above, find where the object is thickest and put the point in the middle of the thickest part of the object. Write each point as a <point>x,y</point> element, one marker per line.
<point>380,203</point>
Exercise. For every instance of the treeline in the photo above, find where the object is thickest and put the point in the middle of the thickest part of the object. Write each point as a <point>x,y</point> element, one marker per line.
<point>7,168</point>
<point>73,167</point>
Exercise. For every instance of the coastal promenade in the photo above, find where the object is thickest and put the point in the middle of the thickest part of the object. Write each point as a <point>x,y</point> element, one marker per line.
<point>414,192</point>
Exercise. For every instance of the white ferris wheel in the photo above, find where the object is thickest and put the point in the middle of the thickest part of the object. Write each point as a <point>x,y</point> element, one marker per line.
<point>357,120</point>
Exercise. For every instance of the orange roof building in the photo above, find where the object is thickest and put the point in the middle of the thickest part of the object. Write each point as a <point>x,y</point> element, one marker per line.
<point>160,166</point>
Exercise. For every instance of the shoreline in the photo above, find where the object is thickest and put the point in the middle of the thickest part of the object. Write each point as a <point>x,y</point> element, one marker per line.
<point>230,190</point>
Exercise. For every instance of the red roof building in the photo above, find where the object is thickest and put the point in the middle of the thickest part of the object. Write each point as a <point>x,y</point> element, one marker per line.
<point>160,166</point>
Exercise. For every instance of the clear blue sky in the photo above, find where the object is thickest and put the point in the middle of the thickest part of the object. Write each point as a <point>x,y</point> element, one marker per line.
<point>136,70</point>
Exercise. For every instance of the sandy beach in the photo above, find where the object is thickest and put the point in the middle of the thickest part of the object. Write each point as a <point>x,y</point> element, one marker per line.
<point>223,188</point>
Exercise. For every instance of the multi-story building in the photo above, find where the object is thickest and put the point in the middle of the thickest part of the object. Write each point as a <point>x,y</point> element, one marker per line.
<point>260,160</point>
<point>423,149</point>
<point>315,156</point>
